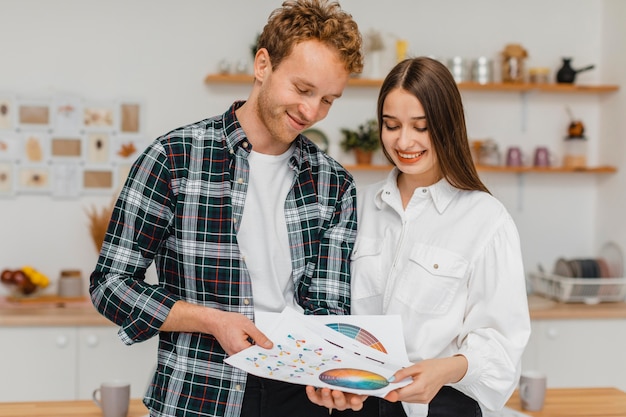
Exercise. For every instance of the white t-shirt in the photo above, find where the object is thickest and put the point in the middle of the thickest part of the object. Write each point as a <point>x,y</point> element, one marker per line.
<point>451,266</point>
<point>262,235</point>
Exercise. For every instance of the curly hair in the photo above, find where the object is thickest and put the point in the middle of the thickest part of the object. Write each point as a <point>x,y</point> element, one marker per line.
<point>300,20</point>
<point>433,85</point>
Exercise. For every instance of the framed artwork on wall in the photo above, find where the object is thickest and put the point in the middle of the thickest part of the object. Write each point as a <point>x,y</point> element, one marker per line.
<point>34,114</point>
<point>130,117</point>
<point>7,179</point>
<point>35,147</point>
<point>67,147</point>
<point>33,178</point>
<point>68,114</point>
<point>99,116</point>
<point>98,180</point>
<point>66,179</point>
<point>10,149</point>
<point>126,148</point>
<point>97,147</point>
<point>7,111</point>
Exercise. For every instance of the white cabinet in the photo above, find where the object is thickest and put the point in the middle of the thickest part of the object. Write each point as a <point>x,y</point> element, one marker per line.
<point>579,353</point>
<point>67,363</point>
<point>37,363</point>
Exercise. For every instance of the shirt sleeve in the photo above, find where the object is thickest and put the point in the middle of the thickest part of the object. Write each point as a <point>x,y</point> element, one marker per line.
<point>137,229</point>
<point>496,328</point>
<point>329,289</point>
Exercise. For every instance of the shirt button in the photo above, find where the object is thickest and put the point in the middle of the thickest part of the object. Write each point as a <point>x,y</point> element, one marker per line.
<point>234,220</point>
<point>246,301</point>
<point>240,180</point>
<point>436,266</point>
<point>245,144</point>
<point>238,387</point>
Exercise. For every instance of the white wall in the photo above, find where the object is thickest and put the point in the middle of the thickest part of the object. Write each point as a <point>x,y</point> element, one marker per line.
<point>159,51</point>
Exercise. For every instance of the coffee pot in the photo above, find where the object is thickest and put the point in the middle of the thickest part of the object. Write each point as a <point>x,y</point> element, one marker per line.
<point>566,74</point>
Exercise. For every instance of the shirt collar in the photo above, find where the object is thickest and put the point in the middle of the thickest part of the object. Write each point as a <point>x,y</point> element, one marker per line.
<point>236,137</point>
<point>441,193</point>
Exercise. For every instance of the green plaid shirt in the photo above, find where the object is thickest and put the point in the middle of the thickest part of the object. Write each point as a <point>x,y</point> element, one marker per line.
<point>181,208</point>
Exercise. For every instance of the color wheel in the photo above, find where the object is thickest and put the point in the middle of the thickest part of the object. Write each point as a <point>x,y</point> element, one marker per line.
<point>359,334</point>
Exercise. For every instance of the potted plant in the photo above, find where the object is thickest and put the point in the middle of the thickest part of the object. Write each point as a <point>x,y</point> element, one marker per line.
<point>364,141</point>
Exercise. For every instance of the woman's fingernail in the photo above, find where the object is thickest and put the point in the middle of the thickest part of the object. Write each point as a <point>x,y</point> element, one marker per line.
<point>391,378</point>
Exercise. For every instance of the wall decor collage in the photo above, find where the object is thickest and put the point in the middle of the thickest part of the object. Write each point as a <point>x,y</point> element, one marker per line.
<point>66,146</point>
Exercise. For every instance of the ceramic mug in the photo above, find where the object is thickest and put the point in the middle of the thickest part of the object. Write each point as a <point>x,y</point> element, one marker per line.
<point>542,157</point>
<point>514,157</point>
<point>532,390</point>
<point>113,398</point>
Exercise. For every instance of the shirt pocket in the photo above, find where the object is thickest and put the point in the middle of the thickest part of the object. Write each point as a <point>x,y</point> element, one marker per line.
<point>367,278</point>
<point>431,279</point>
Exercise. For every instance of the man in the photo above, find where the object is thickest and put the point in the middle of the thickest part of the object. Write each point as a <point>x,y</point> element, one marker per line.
<point>240,213</point>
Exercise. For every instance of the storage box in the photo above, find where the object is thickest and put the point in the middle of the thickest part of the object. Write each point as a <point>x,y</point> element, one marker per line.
<point>573,290</point>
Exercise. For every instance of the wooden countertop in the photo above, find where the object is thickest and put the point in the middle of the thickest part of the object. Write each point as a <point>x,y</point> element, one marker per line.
<point>84,314</point>
<point>578,402</point>
<point>560,402</point>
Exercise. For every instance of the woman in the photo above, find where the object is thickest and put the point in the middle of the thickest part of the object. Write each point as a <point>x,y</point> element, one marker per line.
<point>435,247</point>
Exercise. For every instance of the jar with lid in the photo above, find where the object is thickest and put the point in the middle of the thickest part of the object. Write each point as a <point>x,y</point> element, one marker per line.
<point>513,63</point>
<point>489,153</point>
<point>70,283</point>
<point>538,75</point>
<point>575,155</point>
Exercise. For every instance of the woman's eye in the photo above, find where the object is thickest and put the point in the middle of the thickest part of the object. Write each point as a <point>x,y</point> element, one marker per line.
<point>421,129</point>
<point>389,127</point>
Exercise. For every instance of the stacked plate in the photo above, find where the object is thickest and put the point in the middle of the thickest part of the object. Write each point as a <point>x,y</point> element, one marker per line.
<point>608,265</point>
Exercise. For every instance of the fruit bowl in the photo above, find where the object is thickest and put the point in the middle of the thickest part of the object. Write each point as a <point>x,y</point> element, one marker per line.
<point>24,282</point>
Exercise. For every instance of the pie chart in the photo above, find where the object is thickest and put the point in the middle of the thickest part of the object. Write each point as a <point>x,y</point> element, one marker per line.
<point>359,334</point>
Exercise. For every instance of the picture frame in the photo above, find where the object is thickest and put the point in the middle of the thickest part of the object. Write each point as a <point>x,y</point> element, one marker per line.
<point>98,180</point>
<point>125,149</point>
<point>66,179</point>
<point>97,147</point>
<point>8,111</point>
<point>68,114</point>
<point>35,147</point>
<point>67,147</point>
<point>7,179</point>
<point>100,116</point>
<point>130,117</point>
<point>10,146</point>
<point>34,114</point>
<point>33,179</point>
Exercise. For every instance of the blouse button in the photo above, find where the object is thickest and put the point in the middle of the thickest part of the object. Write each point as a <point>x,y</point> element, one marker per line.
<point>424,191</point>
<point>436,266</point>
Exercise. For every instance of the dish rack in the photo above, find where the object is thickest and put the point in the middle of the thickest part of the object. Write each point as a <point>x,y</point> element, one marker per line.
<point>575,290</point>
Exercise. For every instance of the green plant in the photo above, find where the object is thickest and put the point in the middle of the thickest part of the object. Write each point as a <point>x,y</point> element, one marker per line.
<point>364,138</point>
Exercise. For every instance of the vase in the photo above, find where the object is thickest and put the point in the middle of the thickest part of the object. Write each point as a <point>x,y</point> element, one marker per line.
<point>363,157</point>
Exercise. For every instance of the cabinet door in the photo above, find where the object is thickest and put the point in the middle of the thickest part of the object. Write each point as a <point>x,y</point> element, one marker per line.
<point>37,363</point>
<point>103,357</point>
<point>581,353</point>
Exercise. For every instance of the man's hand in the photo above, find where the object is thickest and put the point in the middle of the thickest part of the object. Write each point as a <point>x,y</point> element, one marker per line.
<point>333,399</point>
<point>233,331</point>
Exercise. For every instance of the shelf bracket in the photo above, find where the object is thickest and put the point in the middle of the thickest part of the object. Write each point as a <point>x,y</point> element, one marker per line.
<point>520,191</point>
<point>524,111</point>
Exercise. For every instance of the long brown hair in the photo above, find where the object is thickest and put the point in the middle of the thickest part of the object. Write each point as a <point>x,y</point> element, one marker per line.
<point>300,20</point>
<point>432,84</point>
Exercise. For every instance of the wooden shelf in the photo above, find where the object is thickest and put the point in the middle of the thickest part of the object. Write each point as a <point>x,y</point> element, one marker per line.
<point>468,86</point>
<point>505,169</point>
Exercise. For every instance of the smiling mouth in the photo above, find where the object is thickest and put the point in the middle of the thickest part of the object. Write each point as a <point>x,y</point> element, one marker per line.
<point>411,156</point>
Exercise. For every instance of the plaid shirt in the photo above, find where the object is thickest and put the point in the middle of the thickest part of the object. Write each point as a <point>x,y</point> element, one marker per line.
<point>181,208</point>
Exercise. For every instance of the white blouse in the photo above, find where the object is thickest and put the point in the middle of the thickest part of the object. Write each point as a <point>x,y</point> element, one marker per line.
<point>451,266</point>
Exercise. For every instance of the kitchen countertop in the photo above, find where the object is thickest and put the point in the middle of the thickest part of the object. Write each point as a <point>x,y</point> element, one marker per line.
<point>84,314</point>
<point>560,402</point>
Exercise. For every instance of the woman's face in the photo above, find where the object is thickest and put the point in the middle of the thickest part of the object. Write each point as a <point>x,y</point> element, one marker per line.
<point>406,138</point>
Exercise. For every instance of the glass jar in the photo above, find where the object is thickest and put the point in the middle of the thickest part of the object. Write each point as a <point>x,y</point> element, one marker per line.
<point>575,155</point>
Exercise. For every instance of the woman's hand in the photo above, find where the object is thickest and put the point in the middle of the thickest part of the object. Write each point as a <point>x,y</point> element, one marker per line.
<point>333,399</point>
<point>428,377</point>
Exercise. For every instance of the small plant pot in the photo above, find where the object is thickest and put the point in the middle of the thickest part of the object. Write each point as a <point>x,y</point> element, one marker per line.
<point>363,157</point>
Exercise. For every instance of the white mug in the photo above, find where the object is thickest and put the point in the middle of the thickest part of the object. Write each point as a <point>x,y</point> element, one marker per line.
<point>113,398</point>
<point>532,390</point>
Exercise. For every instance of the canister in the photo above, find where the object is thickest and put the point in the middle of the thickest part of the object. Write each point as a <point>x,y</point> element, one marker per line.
<point>70,283</point>
<point>575,152</point>
<point>482,70</point>
<point>459,67</point>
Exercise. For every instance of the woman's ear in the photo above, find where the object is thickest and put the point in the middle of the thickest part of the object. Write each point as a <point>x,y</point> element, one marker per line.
<point>262,64</point>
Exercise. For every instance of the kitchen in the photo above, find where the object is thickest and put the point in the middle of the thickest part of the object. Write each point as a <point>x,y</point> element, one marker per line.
<point>115,50</point>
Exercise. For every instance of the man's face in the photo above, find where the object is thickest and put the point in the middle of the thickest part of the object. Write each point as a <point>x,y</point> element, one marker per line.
<point>300,92</point>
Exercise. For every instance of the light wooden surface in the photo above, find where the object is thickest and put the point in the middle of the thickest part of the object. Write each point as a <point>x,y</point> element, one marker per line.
<point>85,408</point>
<point>578,402</point>
<point>84,314</point>
<point>560,402</point>
<point>504,169</point>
